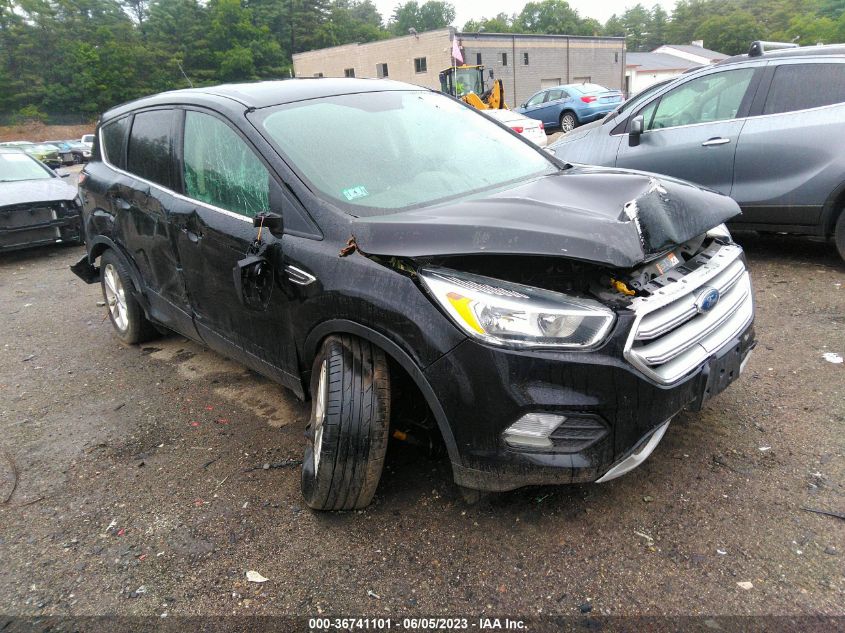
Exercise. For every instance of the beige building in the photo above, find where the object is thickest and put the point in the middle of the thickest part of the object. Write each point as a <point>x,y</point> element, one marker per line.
<point>525,63</point>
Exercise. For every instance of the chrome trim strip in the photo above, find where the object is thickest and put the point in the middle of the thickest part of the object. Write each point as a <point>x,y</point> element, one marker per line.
<point>299,277</point>
<point>637,457</point>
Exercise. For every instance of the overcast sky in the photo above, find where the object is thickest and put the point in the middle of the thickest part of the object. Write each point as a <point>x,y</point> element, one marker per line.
<point>474,9</point>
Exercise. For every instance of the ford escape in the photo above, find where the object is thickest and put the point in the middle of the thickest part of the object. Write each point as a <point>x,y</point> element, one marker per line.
<point>385,251</point>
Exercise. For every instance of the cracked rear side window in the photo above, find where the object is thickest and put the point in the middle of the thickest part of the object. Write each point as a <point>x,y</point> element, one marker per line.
<point>221,169</point>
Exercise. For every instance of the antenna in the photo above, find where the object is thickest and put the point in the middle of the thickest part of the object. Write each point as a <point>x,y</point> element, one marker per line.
<point>188,79</point>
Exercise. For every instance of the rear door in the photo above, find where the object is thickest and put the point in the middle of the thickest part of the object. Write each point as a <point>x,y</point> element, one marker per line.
<point>225,185</point>
<point>691,131</point>
<point>790,157</point>
<point>556,100</point>
<point>139,199</point>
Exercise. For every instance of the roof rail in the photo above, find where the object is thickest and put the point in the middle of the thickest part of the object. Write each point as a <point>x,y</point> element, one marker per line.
<point>759,47</point>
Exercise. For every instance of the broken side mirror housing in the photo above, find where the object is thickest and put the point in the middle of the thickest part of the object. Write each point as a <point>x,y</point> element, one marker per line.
<point>273,222</point>
<point>253,277</point>
<point>635,130</point>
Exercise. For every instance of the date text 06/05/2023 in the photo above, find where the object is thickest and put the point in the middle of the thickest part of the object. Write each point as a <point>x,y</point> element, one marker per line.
<point>415,624</point>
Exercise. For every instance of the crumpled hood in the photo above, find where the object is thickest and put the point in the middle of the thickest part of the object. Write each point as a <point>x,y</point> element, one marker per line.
<point>29,191</point>
<point>614,217</point>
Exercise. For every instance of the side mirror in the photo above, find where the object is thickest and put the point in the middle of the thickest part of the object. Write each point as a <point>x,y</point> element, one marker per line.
<point>635,130</point>
<point>273,222</point>
<point>491,73</point>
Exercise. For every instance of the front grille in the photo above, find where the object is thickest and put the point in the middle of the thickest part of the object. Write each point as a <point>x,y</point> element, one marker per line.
<point>29,236</point>
<point>25,215</point>
<point>671,337</point>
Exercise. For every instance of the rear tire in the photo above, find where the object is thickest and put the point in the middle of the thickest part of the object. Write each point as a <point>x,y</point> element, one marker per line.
<point>125,313</point>
<point>568,122</point>
<point>839,234</point>
<point>350,423</point>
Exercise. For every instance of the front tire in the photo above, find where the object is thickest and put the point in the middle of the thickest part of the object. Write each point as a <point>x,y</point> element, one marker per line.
<point>839,234</point>
<point>568,122</point>
<point>127,317</point>
<point>350,423</point>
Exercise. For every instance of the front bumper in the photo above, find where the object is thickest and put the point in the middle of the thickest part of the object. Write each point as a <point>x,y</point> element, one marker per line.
<point>483,390</point>
<point>27,225</point>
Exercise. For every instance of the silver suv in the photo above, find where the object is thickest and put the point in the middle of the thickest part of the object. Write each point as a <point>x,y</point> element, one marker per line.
<point>766,128</point>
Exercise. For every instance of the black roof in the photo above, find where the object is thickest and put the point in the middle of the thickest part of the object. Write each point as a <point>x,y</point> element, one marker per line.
<point>824,50</point>
<point>263,94</point>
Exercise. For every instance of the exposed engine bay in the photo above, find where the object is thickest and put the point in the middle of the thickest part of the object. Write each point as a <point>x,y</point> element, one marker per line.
<point>613,287</point>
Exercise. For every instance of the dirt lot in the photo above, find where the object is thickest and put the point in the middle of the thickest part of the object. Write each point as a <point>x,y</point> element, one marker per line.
<point>36,132</point>
<point>141,486</point>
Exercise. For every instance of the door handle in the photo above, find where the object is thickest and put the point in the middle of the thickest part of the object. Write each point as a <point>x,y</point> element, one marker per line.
<point>193,237</point>
<point>120,203</point>
<point>715,141</point>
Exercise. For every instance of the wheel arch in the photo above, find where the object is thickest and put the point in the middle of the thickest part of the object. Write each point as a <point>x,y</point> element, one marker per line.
<point>397,354</point>
<point>99,245</point>
<point>571,111</point>
<point>833,207</point>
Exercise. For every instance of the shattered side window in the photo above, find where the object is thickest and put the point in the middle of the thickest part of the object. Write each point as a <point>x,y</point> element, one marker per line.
<point>221,169</point>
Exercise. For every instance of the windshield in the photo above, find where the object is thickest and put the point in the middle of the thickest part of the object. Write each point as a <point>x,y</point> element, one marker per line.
<point>380,152</point>
<point>15,167</point>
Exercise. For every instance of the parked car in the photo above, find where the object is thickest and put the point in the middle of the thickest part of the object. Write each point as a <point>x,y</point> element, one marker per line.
<point>36,206</point>
<point>87,140</point>
<point>567,107</point>
<point>531,129</point>
<point>426,270</point>
<point>81,151</point>
<point>65,151</point>
<point>764,128</point>
<point>47,154</point>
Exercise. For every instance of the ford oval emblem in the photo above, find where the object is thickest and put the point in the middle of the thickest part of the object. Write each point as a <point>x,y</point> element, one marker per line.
<point>706,300</point>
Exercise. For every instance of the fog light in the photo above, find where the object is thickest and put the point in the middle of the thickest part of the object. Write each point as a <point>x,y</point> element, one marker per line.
<point>532,430</point>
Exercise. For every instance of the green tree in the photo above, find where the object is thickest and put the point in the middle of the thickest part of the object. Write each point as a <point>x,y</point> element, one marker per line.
<point>500,23</point>
<point>730,34</point>
<point>548,16</point>
<point>421,17</point>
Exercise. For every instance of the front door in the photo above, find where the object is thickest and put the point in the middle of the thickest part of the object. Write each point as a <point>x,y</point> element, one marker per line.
<point>226,185</point>
<point>691,132</point>
<point>532,106</point>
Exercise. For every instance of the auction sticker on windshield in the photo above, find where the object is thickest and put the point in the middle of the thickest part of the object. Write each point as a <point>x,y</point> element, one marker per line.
<point>355,192</point>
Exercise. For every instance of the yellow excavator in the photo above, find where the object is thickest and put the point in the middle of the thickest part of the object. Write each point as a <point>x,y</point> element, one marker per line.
<point>467,84</point>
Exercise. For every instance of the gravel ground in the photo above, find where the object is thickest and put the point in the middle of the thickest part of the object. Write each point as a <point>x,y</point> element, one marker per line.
<point>141,490</point>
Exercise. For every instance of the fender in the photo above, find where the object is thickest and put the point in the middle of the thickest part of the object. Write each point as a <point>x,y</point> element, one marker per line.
<point>337,326</point>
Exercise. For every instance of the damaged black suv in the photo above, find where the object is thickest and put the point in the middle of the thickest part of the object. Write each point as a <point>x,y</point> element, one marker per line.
<point>404,261</point>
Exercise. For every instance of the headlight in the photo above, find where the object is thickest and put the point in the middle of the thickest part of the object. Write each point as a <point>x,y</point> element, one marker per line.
<point>504,313</point>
